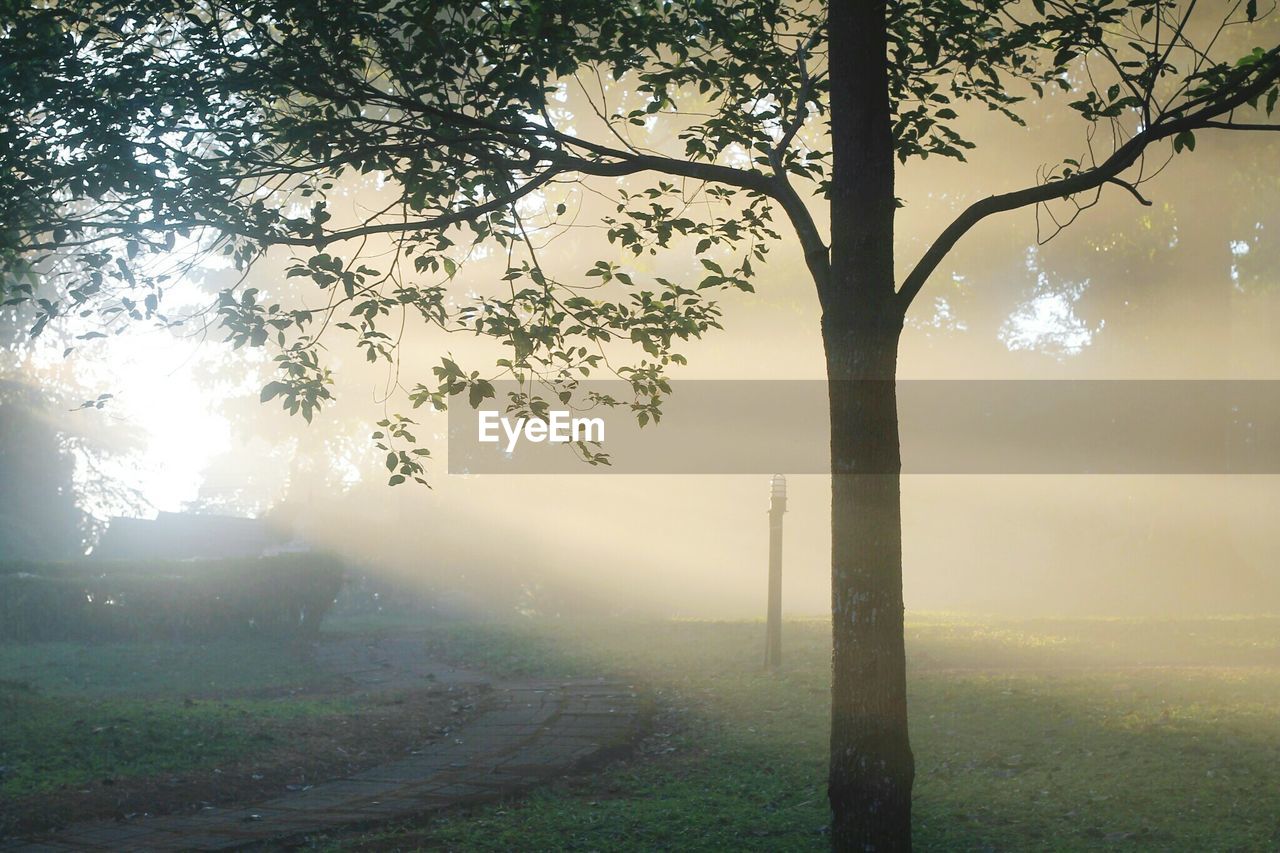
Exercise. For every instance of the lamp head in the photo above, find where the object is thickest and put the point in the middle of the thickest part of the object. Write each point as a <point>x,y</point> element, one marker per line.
<point>778,486</point>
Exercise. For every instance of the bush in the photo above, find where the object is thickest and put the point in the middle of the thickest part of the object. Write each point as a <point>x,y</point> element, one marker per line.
<point>97,600</point>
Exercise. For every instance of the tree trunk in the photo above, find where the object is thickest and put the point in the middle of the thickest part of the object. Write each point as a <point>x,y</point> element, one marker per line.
<point>871,770</point>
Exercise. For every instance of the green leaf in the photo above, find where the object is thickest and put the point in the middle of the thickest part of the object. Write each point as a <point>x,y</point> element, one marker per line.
<point>272,390</point>
<point>480,390</point>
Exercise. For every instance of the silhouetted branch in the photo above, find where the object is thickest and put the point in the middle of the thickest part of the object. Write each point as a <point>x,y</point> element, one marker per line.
<point>1210,107</point>
<point>1133,190</point>
<point>1233,125</point>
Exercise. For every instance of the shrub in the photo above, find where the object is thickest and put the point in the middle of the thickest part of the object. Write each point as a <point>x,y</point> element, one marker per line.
<point>193,599</point>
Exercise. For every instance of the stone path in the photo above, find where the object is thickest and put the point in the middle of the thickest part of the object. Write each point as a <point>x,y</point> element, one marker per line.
<point>528,732</point>
<point>390,662</point>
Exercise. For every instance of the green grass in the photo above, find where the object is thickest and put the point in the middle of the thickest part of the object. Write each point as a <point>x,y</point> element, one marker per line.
<point>156,669</point>
<point>73,714</point>
<point>1045,734</point>
<point>48,743</point>
<point>1059,735</point>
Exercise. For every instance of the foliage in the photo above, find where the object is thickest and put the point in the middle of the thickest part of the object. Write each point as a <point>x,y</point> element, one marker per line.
<point>140,135</point>
<point>187,600</point>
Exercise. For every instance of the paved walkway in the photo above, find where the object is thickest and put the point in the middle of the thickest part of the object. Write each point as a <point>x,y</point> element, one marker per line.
<point>529,732</point>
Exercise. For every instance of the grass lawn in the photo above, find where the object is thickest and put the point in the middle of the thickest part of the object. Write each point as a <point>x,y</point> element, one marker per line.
<point>1062,735</point>
<point>73,715</point>
<point>156,669</point>
<point>95,731</point>
<point>48,743</point>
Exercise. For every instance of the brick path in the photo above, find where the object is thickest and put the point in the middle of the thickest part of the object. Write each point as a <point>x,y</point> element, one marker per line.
<point>529,732</point>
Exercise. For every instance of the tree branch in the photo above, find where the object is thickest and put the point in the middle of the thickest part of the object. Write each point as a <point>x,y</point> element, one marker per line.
<point>560,165</point>
<point>1133,190</point>
<point>1233,125</point>
<point>817,256</point>
<point>1121,159</point>
<point>802,99</point>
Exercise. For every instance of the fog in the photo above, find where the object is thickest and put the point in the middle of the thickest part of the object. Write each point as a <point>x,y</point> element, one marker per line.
<point>1184,288</point>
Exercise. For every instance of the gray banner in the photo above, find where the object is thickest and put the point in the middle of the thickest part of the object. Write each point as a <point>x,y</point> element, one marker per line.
<point>946,427</point>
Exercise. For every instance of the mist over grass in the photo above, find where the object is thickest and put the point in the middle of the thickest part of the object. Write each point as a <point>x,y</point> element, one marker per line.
<point>1060,734</point>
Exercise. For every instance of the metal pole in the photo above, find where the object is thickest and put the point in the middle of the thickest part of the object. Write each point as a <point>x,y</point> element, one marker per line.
<point>773,631</point>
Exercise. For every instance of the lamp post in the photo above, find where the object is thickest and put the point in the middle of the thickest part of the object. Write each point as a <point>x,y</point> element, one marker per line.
<point>773,631</point>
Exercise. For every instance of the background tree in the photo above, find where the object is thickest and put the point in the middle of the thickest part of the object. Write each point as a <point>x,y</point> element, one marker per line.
<point>39,516</point>
<point>55,489</point>
<point>383,144</point>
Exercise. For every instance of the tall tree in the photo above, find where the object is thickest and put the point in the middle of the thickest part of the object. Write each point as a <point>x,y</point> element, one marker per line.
<point>242,126</point>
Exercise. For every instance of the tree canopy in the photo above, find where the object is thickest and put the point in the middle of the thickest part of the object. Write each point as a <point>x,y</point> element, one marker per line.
<point>139,137</point>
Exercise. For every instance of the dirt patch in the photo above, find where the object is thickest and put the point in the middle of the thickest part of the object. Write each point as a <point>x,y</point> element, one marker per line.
<point>296,754</point>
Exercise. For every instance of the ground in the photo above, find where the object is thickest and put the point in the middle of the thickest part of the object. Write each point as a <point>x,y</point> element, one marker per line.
<point>1071,735</point>
<point>114,730</point>
<point>1063,735</point>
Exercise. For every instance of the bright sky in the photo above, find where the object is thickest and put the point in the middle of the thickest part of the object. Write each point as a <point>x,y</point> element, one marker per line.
<point>162,396</point>
<point>158,391</point>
